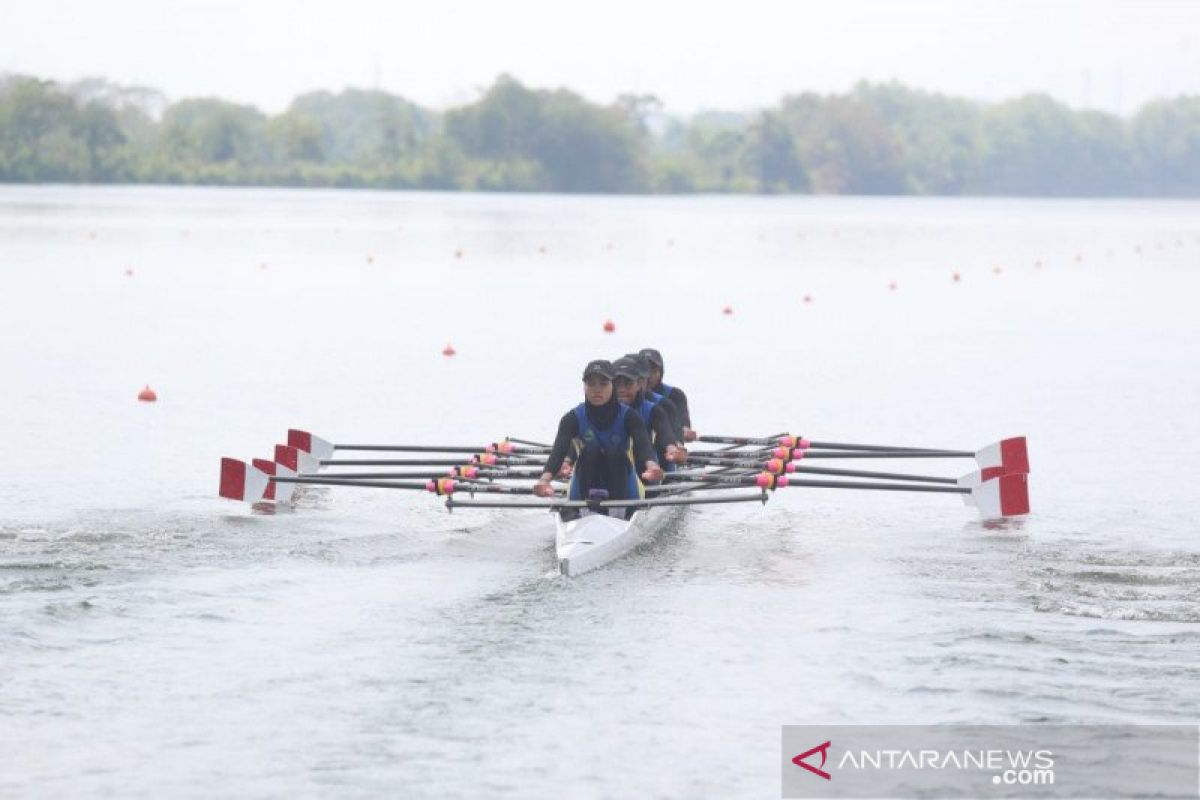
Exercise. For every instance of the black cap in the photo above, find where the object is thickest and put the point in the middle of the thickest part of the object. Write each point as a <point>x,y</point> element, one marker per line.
<point>628,367</point>
<point>643,364</point>
<point>599,367</point>
<point>652,354</point>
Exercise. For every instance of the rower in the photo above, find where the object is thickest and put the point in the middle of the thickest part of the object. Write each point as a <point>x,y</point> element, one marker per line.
<point>630,383</point>
<point>672,393</point>
<point>609,444</point>
<point>673,412</point>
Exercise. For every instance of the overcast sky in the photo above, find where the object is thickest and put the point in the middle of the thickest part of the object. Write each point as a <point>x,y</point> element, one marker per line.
<point>725,54</point>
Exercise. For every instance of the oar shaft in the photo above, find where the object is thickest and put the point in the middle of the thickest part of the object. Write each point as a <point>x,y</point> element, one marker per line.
<point>881,487</point>
<point>433,448</point>
<point>884,448</point>
<point>375,484</point>
<point>888,454</point>
<point>410,448</point>
<point>857,473</point>
<point>459,486</point>
<point>497,474</point>
<point>423,462</point>
<point>554,505</point>
<point>392,462</point>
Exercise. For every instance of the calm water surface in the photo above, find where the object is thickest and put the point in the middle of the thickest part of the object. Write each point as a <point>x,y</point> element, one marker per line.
<point>156,640</point>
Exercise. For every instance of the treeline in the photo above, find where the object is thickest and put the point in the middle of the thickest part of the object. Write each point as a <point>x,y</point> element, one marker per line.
<point>875,139</point>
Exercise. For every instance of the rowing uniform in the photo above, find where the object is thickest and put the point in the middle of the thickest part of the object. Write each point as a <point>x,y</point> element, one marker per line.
<point>653,409</point>
<point>609,446</point>
<point>679,399</point>
<point>674,415</point>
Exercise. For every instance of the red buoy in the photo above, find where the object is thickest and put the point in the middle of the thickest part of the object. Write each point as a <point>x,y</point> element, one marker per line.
<point>956,277</point>
<point>727,310</point>
<point>609,327</point>
<point>808,298</point>
<point>129,272</point>
<point>147,395</point>
<point>892,286</point>
<point>448,350</point>
<point>996,270</point>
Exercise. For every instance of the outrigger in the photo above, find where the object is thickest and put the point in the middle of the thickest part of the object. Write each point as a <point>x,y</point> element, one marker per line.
<point>742,469</point>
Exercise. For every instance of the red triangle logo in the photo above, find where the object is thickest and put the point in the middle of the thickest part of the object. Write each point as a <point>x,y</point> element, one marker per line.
<point>823,749</point>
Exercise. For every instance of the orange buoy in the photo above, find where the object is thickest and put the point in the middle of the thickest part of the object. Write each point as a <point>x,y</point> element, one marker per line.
<point>996,270</point>
<point>609,327</point>
<point>147,395</point>
<point>448,350</point>
<point>727,310</point>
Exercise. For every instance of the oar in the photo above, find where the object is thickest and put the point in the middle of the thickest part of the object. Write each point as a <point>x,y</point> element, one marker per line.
<point>554,505</point>
<point>1002,496</point>
<point>775,466</point>
<point>1012,452</point>
<point>323,448</point>
<point>788,440</point>
<point>441,486</point>
<point>457,473</point>
<point>482,458</point>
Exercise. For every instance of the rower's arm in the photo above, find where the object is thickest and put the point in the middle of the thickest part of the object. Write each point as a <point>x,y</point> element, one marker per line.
<point>675,418</point>
<point>664,432</point>
<point>643,451</point>
<point>681,402</point>
<point>568,429</point>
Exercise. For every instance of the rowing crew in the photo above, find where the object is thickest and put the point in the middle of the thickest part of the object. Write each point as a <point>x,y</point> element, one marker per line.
<point>624,434</point>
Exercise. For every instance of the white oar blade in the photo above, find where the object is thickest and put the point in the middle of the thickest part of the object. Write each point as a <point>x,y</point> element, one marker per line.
<point>1005,496</point>
<point>1010,455</point>
<point>240,481</point>
<point>313,445</point>
<point>295,459</point>
<point>279,492</point>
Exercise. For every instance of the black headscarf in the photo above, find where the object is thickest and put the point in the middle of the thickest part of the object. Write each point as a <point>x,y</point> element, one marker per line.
<point>602,417</point>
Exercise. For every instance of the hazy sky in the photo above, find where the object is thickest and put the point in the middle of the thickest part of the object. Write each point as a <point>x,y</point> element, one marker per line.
<point>727,54</point>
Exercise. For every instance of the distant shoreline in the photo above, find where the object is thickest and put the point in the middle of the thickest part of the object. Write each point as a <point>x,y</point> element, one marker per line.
<point>877,139</point>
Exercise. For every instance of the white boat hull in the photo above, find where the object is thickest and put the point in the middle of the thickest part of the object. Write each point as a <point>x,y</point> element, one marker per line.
<point>593,540</point>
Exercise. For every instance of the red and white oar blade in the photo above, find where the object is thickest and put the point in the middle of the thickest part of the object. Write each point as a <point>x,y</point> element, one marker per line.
<point>313,445</point>
<point>1010,455</point>
<point>1005,496</point>
<point>279,492</point>
<point>240,481</point>
<point>295,459</point>
<point>976,478</point>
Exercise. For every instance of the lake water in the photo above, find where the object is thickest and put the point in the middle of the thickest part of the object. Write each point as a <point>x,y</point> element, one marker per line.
<point>157,640</point>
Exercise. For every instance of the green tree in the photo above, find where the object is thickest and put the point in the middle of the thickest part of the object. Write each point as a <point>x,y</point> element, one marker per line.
<point>1166,140</point>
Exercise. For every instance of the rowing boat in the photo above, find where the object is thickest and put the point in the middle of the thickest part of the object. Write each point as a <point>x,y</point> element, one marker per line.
<point>593,540</point>
<point>590,538</point>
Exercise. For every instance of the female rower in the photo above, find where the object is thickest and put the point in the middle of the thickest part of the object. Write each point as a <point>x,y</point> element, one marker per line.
<point>672,393</point>
<point>630,383</point>
<point>609,443</point>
